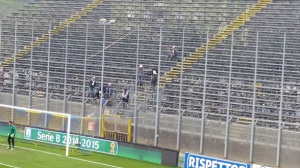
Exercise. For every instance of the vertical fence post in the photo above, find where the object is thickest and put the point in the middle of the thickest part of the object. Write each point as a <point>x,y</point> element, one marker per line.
<point>68,134</point>
<point>30,73</point>
<point>157,92</point>
<point>84,78</point>
<point>48,76</point>
<point>31,69</point>
<point>179,122</point>
<point>280,109</point>
<point>180,94</point>
<point>136,83</point>
<point>253,103</point>
<point>14,72</point>
<point>228,101</point>
<point>0,34</point>
<point>102,81</point>
<point>48,71</point>
<point>203,98</point>
<point>65,77</point>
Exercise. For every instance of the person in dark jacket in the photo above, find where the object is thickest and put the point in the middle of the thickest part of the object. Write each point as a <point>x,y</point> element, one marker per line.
<point>125,98</point>
<point>154,70</point>
<point>140,75</point>
<point>109,90</point>
<point>154,81</point>
<point>92,87</point>
<point>1,79</point>
<point>173,55</point>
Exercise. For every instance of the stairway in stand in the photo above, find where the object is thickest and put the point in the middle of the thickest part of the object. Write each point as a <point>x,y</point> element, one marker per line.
<point>201,51</point>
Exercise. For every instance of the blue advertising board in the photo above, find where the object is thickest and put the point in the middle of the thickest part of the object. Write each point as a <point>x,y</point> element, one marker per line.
<point>198,161</point>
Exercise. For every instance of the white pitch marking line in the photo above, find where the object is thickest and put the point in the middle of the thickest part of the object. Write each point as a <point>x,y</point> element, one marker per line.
<point>8,165</point>
<point>40,151</point>
<point>103,164</point>
<point>95,162</point>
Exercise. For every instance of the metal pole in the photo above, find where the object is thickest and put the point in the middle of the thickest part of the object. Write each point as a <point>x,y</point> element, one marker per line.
<point>14,73</point>
<point>30,74</point>
<point>180,94</point>
<point>280,110</point>
<point>68,135</point>
<point>48,74</point>
<point>0,35</point>
<point>65,79</point>
<point>228,100</point>
<point>102,78</point>
<point>203,101</point>
<point>253,103</point>
<point>84,79</point>
<point>179,130</point>
<point>157,93</point>
<point>66,66</point>
<point>136,83</point>
<point>31,68</point>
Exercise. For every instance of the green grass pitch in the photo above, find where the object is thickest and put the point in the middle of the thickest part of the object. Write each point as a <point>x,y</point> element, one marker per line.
<point>28,155</point>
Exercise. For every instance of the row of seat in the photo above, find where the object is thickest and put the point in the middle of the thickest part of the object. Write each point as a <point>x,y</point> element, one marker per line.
<point>242,69</point>
<point>35,16</point>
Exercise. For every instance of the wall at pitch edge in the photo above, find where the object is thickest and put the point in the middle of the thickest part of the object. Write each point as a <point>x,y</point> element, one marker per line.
<point>127,150</point>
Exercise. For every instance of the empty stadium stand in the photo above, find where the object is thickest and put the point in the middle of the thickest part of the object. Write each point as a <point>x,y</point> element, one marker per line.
<point>271,24</point>
<point>9,6</point>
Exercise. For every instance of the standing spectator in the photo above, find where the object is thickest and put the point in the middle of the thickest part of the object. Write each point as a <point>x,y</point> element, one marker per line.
<point>98,95</point>
<point>109,90</point>
<point>104,91</point>
<point>154,70</point>
<point>1,79</point>
<point>92,87</point>
<point>173,54</point>
<point>108,94</point>
<point>154,73</point>
<point>125,98</point>
<point>154,81</point>
<point>140,75</point>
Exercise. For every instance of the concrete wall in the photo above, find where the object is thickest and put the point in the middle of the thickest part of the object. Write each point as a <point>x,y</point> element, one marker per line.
<point>265,144</point>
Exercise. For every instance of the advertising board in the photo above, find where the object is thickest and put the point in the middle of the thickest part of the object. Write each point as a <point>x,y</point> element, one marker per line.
<point>199,161</point>
<point>60,138</point>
